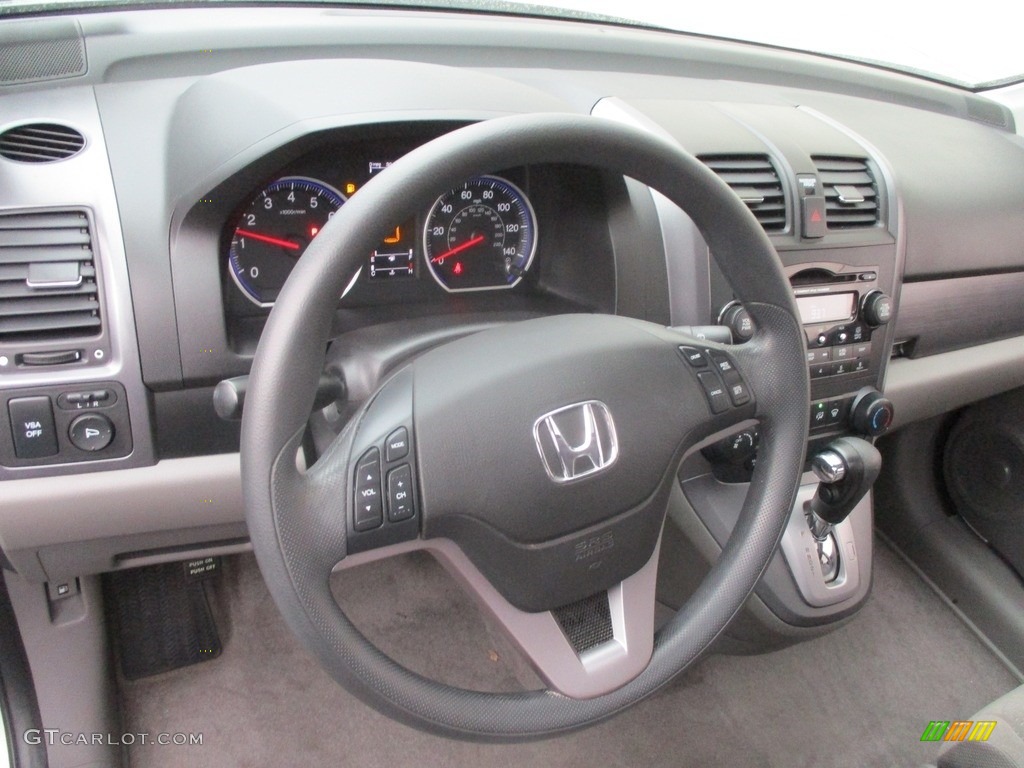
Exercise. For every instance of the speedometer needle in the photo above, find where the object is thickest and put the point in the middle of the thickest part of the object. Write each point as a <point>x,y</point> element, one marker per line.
<point>268,239</point>
<point>459,248</point>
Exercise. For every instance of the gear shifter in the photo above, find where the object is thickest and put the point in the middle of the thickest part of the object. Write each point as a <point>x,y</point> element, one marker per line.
<point>847,469</point>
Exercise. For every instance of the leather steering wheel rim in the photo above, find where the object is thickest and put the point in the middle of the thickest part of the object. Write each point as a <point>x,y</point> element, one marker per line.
<point>295,551</point>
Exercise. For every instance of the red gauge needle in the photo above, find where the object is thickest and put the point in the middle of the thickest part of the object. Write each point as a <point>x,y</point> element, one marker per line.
<point>459,248</point>
<point>268,239</point>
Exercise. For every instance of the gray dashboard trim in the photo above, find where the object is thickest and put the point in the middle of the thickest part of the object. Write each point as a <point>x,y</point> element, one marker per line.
<point>83,181</point>
<point>175,494</point>
<point>929,386</point>
<point>940,315</point>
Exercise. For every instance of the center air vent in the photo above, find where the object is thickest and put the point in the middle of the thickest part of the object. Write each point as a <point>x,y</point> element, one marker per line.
<point>851,195</point>
<point>755,180</point>
<point>40,143</point>
<point>47,277</point>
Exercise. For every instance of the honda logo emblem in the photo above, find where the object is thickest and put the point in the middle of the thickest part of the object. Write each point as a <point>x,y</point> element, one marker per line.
<point>576,441</point>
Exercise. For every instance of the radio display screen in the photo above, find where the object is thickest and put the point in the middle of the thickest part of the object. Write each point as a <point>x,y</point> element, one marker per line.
<point>826,308</point>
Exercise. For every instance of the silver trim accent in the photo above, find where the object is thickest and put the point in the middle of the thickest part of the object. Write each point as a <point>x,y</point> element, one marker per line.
<point>848,195</point>
<point>6,754</point>
<point>599,445</point>
<point>828,466</point>
<point>800,550</point>
<point>539,636</point>
<point>231,246</point>
<point>530,215</point>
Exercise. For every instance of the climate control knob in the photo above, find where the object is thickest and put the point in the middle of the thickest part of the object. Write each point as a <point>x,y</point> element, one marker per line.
<point>876,308</point>
<point>871,413</point>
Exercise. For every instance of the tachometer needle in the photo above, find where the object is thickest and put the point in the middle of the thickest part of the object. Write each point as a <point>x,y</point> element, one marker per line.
<point>268,239</point>
<point>459,248</point>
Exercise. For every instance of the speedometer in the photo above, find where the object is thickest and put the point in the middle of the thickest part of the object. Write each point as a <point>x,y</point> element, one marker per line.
<point>273,232</point>
<point>480,236</point>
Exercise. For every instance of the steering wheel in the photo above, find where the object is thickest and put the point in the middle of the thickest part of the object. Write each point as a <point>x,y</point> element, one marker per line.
<point>536,458</point>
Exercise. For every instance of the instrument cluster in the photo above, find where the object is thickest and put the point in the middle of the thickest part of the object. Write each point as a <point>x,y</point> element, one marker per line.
<point>481,236</point>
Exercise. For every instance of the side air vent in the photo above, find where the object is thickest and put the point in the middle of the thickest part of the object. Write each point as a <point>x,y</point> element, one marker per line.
<point>755,180</point>
<point>851,195</point>
<point>47,277</point>
<point>40,143</point>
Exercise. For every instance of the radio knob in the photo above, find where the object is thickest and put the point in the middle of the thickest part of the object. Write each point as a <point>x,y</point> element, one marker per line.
<point>872,413</point>
<point>876,308</point>
<point>738,320</point>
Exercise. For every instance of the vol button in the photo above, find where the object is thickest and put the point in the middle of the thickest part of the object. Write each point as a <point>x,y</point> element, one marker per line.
<point>369,510</point>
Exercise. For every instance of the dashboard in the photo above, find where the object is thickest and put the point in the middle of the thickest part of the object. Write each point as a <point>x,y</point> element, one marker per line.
<point>213,144</point>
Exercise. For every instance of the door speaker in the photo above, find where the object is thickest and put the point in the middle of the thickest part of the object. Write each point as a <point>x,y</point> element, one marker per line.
<point>984,469</point>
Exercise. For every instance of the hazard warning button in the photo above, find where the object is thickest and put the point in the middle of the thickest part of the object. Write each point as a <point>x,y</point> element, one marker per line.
<point>812,216</point>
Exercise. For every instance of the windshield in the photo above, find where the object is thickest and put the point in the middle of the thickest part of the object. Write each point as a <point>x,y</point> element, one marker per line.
<point>972,46</point>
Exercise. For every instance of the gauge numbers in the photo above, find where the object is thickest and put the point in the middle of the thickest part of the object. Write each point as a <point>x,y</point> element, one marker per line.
<point>480,236</point>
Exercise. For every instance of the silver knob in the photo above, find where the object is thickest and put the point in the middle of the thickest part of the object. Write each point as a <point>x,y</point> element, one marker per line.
<point>828,467</point>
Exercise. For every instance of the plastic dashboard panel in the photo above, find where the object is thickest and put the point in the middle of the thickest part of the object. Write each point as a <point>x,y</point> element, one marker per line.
<point>169,120</point>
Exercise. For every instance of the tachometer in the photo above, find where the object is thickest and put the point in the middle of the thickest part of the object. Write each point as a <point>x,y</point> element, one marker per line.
<point>274,231</point>
<point>480,236</point>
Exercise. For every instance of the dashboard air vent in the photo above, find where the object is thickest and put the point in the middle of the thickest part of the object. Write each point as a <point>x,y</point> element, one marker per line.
<point>851,195</point>
<point>40,143</point>
<point>47,277</point>
<point>755,180</point>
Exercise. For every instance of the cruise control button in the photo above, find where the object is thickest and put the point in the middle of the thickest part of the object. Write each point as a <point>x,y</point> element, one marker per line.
<point>397,445</point>
<point>715,390</point>
<point>91,432</point>
<point>32,428</point>
<point>400,494</point>
<point>722,363</point>
<point>369,509</point>
<point>694,357</point>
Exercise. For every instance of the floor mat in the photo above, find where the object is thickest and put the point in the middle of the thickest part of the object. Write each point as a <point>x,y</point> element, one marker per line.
<point>861,696</point>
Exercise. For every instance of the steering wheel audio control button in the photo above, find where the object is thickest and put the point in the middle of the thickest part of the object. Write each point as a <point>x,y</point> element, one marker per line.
<point>400,505</point>
<point>91,432</point>
<point>369,510</point>
<point>715,390</point>
<point>397,445</point>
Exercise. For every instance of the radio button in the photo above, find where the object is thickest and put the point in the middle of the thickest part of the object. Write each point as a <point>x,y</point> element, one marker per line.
<point>838,369</point>
<point>821,370</point>
<point>817,356</point>
<point>842,353</point>
<point>862,350</point>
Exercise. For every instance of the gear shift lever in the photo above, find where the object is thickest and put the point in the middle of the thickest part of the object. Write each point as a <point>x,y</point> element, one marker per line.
<point>847,469</point>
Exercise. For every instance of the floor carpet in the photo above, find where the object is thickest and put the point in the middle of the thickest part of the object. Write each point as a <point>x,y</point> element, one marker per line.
<point>860,696</point>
